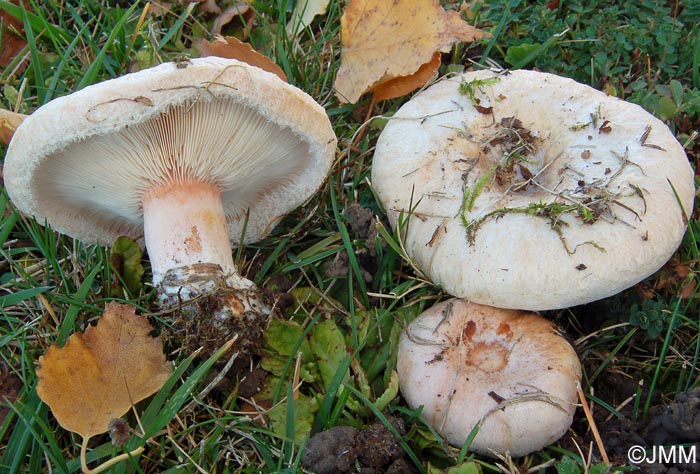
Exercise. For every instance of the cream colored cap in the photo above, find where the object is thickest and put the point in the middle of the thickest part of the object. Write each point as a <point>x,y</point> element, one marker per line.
<point>83,162</point>
<point>465,363</point>
<point>528,190</point>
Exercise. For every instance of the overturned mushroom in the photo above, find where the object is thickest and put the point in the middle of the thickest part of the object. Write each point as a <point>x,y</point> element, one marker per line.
<point>531,191</point>
<point>507,373</point>
<point>185,158</point>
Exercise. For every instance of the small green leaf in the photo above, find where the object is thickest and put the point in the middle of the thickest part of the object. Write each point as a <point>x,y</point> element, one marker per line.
<point>328,347</point>
<point>303,408</point>
<point>677,92</point>
<point>282,337</point>
<point>392,390</point>
<point>516,54</point>
<point>126,261</point>
<point>465,468</point>
<point>567,466</point>
<point>667,108</point>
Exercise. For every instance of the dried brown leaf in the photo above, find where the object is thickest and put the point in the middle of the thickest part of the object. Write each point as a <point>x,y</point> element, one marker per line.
<point>241,9</point>
<point>99,375</point>
<point>401,86</point>
<point>233,48</point>
<point>12,39</point>
<point>385,40</point>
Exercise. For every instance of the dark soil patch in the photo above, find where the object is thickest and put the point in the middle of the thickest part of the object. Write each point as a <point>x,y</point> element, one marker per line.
<point>343,449</point>
<point>10,386</point>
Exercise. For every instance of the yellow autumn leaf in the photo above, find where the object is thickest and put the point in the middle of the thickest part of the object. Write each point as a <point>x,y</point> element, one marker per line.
<point>9,121</point>
<point>99,375</point>
<point>385,40</point>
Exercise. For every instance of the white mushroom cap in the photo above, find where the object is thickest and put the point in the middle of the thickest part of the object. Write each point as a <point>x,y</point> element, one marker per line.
<point>465,363</point>
<point>84,162</point>
<point>572,202</point>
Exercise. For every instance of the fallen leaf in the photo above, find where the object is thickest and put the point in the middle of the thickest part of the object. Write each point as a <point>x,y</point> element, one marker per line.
<point>9,121</point>
<point>11,38</point>
<point>385,40</point>
<point>159,8</point>
<point>241,9</point>
<point>99,375</point>
<point>401,86</point>
<point>233,48</point>
<point>304,13</point>
<point>687,290</point>
<point>210,6</point>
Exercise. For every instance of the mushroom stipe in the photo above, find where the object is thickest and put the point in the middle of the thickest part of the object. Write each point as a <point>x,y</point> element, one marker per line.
<point>185,161</point>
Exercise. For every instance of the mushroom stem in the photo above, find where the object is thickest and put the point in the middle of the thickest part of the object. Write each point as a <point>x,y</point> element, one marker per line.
<point>190,253</point>
<point>185,224</point>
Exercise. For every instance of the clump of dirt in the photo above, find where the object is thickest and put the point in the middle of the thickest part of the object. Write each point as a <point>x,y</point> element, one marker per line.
<point>361,221</point>
<point>677,422</point>
<point>278,288</point>
<point>198,323</point>
<point>362,228</point>
<point>379,448</point>
<point>210,313</point>
<point>343,449</point>
<point>10,386</point>
<point>332,451</point>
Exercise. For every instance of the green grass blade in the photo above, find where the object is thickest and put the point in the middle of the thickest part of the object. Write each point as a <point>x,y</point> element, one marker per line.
<point>662,357</point>
<point>18,297</point>
<point>34,52</point>
<point>77,303</point>
<point>18,446</point>
<point>496,35</point>
<point>98,62</point>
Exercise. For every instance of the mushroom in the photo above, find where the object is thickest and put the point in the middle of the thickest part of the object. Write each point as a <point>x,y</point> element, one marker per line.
<point>508,373</point>
<point>184,157</point>
<point>526,190</point>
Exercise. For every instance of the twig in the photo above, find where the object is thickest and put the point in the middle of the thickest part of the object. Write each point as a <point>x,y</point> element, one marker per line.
<point>591,422</point>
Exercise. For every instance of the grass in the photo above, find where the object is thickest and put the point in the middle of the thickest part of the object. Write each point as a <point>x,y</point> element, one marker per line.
<point>52,286</point>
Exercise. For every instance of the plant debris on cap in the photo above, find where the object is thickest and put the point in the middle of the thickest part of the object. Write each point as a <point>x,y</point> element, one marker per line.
<point>84,162</point>
<point>528,190</point>
<point>510,371</point>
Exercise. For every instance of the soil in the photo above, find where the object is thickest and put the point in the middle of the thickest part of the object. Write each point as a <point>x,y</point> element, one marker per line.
<point>10,386</point>
<point>343,449</point>
<point>667,424</point>
<point>362,228</point>
<point>332,451</point>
